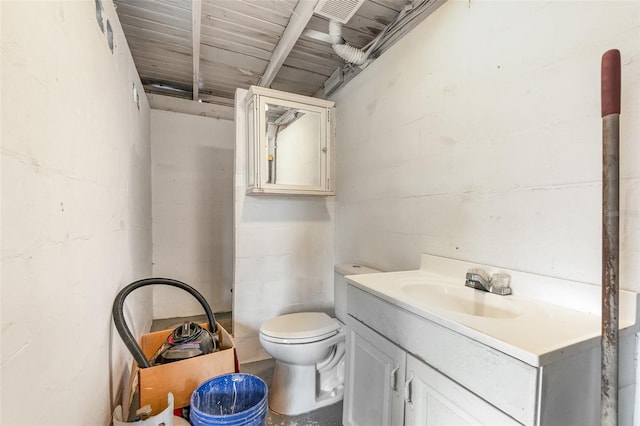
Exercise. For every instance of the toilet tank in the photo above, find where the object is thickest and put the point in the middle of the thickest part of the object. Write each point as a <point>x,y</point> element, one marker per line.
<point>340,285</point>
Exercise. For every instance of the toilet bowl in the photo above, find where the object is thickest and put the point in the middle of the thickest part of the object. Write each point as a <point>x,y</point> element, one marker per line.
<point>309,373</point>
<point>309,349</point>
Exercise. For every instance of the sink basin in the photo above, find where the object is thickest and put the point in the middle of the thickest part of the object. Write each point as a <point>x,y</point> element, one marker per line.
<point>462,300</point>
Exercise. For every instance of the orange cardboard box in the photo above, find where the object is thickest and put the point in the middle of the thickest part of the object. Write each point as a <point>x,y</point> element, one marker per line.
<point>180,377</point>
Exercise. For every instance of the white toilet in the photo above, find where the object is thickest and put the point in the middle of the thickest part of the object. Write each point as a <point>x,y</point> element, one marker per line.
<point>309,351</point>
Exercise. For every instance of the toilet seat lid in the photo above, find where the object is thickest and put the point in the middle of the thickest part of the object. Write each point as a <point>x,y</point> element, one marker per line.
<point>307,326</point>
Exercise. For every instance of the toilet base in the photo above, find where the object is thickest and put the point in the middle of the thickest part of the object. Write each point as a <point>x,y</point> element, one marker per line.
<point>294,388</point>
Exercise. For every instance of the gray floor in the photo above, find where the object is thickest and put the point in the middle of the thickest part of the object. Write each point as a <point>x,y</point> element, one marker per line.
<point>326,416</point>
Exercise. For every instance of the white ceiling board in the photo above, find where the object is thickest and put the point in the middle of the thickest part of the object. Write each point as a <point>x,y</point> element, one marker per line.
<point>230,40</point>
<point>149,34</point>
<point>166,15</point>
<point>259,21</point>
<point>258,10</point>
<point>143,24</point>
<point>157,48</point>
<point>232,59</point>
<point>236,47</point>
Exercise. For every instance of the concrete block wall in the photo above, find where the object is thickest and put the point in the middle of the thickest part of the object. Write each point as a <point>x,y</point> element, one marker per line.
<point>478,137</point>
<point>283,260</point>
<point>76,208</point>
<point>192,187</point>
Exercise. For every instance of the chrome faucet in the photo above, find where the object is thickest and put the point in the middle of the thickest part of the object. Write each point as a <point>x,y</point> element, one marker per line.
<point>496,284</point>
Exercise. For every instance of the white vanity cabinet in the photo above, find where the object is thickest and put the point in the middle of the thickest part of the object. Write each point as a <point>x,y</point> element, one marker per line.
<point>451,379</point>
<point>375,374</point>
<point>289,143</point>
<point>387,386</point>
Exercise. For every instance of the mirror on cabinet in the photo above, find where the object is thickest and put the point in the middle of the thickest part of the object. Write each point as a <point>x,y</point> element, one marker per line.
<point>289,143</point>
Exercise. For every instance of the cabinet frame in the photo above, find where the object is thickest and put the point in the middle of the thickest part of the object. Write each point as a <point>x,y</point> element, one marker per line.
<point>257,162</point>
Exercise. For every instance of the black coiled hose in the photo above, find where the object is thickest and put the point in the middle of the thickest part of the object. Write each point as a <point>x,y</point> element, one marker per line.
<point>121,325</point>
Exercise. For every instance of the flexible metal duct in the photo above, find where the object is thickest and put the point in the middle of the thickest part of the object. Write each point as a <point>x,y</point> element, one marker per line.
<point>347,52</point>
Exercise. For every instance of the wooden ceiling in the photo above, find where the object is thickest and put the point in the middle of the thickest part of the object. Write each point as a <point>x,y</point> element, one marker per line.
<point>205,49</point>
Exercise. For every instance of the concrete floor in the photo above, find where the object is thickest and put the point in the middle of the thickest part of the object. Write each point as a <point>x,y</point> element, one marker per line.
<point>326,416</point>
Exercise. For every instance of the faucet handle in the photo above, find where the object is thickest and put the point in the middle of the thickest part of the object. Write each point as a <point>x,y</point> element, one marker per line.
<point>480,272</point>
<point>500,280</point>
<point>497,283</point>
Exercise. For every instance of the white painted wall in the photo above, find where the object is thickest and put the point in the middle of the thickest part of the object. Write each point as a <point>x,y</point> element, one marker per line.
<point>283,260</point>
<point>75,212</point>
<point>478,137</point>
<point>192,186</point>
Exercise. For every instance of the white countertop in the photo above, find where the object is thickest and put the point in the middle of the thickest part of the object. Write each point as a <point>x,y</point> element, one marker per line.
<point>540,330</point>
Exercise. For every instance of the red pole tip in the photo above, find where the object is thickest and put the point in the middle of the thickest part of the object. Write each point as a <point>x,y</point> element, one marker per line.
<point>611,82</point>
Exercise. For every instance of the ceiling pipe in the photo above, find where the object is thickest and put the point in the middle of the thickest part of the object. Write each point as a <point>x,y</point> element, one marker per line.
<point>411,15</point>
<point>324,37</point>
<point>299,20</point>
<point>352,54</point>
<point>347,52</point>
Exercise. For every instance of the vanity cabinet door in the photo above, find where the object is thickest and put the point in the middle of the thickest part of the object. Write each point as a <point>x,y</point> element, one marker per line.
<point>433,399</point>
<point>375,374</point>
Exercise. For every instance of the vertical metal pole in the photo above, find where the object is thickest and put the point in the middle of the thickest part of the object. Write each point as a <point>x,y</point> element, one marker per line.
<point>610,235</point>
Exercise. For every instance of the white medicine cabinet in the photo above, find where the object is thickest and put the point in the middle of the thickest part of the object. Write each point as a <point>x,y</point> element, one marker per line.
<point>290,143</point>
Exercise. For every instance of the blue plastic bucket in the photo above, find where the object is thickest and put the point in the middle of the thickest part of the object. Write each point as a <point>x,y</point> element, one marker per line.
<point>231,400</point>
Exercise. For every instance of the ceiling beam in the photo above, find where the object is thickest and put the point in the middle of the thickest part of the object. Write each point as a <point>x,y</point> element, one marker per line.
<point>196,14</point>
<point>187,106</point>
<point>297,23</point>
